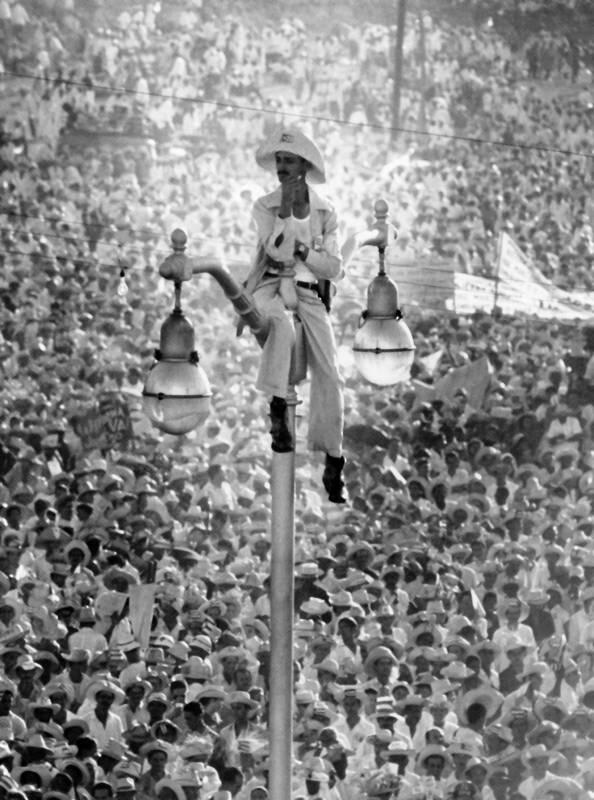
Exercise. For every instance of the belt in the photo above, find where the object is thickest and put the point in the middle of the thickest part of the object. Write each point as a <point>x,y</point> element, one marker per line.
<point>313,287</point>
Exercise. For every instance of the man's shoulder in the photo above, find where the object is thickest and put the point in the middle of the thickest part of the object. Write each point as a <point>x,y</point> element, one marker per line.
<point>320,201</point>
<point>317,200</point>
<point>270,200</point>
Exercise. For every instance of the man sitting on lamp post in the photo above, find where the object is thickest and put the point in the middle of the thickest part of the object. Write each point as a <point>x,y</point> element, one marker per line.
<point>297,257</point>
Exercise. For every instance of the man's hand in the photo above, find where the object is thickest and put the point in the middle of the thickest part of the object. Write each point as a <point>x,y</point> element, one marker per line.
<point>301,250</point>
<point>289,189</point>
<point>293,194</point>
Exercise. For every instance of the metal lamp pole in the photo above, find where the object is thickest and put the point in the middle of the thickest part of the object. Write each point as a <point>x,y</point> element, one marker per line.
<point>178,344</point>
<point>176,398</point>
<point>282,561</point>
<point>397,87</point>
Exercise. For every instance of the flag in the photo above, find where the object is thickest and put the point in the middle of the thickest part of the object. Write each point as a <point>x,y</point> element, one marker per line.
<point>431,361</point>
<point>514,266</point>
<point>474,377</point>
<point>424,392</point>
<point>142,599</point>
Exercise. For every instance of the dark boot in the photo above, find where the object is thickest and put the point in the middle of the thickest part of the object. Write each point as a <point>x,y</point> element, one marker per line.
<point>282,441</point>
<point>332,479</point>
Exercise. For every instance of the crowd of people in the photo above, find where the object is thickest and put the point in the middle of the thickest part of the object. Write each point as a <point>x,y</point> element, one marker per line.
<point>196,93</point>
<point>444,619</point>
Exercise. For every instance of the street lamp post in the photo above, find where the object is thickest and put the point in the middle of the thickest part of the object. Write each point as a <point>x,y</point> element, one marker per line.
<point>397,86</point>
<point>282,591</point>
<point>176,399</point>
<point>383,347</point>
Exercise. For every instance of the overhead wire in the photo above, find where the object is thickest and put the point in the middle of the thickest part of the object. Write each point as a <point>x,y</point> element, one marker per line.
<point>59,80</point>
<point>259,109</point>
<point>121,90</point>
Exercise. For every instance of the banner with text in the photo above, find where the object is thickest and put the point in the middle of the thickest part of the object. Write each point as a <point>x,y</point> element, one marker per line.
<point>428,284</point>
<point>106,425</point>
<point>520,288</point>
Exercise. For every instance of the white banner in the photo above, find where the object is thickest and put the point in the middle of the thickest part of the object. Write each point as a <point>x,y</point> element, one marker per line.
<point>472,293</point>
<point>514,266</point>
<point>520,288</point>
<point>142,601</point>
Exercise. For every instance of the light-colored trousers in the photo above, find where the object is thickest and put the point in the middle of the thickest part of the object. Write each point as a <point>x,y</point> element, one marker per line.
<point>326,405</point>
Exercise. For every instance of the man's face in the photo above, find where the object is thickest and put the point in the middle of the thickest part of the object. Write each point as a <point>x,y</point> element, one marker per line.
<point>191,719</point>
<point>156,710</point>
<point>487,657</point>
<point>178,694</point>
<point>386,723</point>
<point>548,460</point>
<point>412,713</point>
<point>416,490</point>
<point>539,767</point>
<point>572,678</point>
<point>5,703</point>
<point>213,705</point>
<point>452,462</point>
<point>6,614</point>
<point>513,617</point>
<point>346,629</point>
<point>519,726</point>
<point>158,760</point>
<point>14,517</point>
<point>516,659</point>
<point>383,669</point>
<point>321,649</point>
<point>76,667</point>
<point>240,711</point>
<point>460,760</point>
<point>351,704</point>
<point>304,709</point>
<point>125,795</point>
<point>439,713</point>
<point>243,679</point>
<point>25,679</point>
<point>135,695</point>
<point>289,166</point>
<point>104,699</point>
<point>60,699</point>
<point>434,766</point>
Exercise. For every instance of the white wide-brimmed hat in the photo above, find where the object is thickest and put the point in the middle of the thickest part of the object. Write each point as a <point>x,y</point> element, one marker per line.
<point>292,140</point>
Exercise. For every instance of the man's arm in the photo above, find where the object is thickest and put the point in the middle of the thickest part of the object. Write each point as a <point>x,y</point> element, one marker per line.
<point>325,262</point>
<point>275,234</point>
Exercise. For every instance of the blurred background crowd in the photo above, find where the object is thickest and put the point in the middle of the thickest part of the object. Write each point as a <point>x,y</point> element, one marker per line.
<point>444,620</point>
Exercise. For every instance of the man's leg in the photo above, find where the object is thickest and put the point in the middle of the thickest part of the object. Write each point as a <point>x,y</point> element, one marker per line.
<point>275,362</point>
<point>326,405</point>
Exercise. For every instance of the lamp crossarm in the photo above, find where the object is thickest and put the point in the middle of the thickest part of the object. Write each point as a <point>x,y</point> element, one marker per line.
<point>380,235</point>
<point>375,237</point>
<point>179,267</point>
<point>242,300</point>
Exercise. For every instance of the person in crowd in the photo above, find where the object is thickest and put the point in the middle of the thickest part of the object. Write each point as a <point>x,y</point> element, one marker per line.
<point>444,639</point>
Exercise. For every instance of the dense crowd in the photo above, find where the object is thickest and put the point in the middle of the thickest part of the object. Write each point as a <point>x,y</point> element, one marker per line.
<point>444,622</point>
